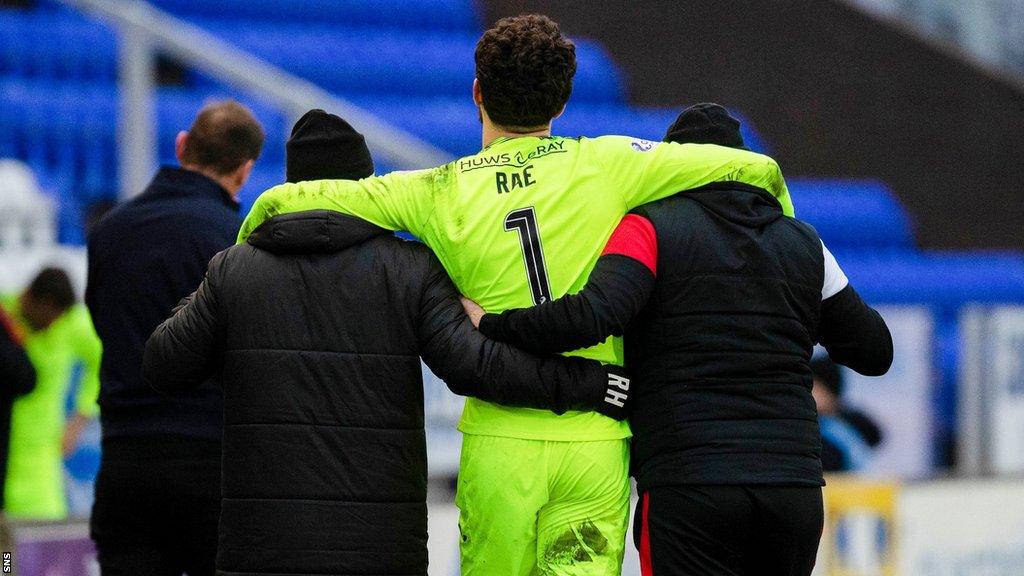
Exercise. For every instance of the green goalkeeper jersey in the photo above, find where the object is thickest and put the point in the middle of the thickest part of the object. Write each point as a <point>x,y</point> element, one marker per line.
<point>524,221</point>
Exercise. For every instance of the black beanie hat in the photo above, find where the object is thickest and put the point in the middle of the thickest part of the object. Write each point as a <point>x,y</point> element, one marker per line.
<point>706,123</point>
<point>325,147</point>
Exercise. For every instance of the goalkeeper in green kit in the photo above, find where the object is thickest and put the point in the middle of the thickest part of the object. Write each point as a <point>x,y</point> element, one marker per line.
<point>519,223</point>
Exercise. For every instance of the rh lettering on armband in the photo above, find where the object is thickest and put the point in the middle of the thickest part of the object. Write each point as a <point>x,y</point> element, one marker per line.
<point>617,397</point>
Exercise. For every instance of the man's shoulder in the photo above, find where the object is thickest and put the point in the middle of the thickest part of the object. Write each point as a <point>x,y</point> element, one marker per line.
<point>412,251</point>
<point>411,261</point>
<point>238,262</point>
<point>401,253</point>
<point>421,176</point>
<point>114,218</point>
<point>653,211</point>
<point>145,207</point>
<point>804,229</point>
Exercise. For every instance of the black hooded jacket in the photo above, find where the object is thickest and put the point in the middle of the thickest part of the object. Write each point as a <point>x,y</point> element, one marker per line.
<point>719,341</point>
<point>316,328</point>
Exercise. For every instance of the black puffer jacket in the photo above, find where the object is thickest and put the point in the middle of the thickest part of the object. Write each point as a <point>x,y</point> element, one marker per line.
<point>316,328</point>
<point>724,343</point>
<point>719,344</point>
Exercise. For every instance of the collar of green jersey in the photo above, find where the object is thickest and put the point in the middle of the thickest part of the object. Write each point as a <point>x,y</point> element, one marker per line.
<point>503,139</point>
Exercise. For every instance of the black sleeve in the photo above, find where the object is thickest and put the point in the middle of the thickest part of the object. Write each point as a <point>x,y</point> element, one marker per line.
<point>180,354</point>
<point>618,288</point>
<point>854,334</point>
<point>17,375</point>
<point>473,365</point>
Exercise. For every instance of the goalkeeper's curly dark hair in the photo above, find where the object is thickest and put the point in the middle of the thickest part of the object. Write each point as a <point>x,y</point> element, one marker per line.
<point>525,68</point>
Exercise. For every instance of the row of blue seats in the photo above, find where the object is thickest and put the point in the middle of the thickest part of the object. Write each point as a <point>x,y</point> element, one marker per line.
<point>342,60</point>
<point>451,15</point>
<point>56,44</point>
<point>943,280</point>
<point>857,213</point>
<point>445,15</point>
<point>70,129</point>
<point>46,115</point>
<point>385,62</point>
<point>450,122</point>
<point>453,123</point>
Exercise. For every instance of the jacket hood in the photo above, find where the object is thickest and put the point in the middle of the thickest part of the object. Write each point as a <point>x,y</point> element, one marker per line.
<point>313,232</point>
<point>746,206</point>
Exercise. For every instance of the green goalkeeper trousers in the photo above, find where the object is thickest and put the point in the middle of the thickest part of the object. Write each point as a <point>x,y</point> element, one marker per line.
<point>536,507</point>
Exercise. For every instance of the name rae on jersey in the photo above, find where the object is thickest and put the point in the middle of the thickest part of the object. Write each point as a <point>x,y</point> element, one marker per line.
<point>521,174</point>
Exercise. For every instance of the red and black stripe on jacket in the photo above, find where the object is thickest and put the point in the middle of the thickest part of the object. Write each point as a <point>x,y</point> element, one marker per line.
<point>720,298</point>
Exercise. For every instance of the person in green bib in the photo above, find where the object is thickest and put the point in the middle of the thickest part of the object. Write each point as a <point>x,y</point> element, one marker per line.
<point>517,224</point>
<point>57,334</point>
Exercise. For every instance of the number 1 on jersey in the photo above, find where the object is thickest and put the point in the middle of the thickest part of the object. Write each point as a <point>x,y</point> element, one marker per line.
<point>524,221</point>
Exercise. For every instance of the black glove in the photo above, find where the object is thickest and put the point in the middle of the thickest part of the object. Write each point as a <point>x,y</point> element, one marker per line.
<point>614,400</point>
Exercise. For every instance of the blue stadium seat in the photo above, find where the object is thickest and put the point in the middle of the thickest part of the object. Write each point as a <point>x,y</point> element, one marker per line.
<point>943,280</point>
<point>57,45</point>
<point>852,213</point>
<point>62,130</point>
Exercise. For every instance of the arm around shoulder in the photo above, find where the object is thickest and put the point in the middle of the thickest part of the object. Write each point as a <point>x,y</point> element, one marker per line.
<point>395,201</point>
<point>473,365</point>
<point>616,291</point>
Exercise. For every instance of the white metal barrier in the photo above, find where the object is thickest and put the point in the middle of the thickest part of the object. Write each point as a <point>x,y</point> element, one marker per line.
<point>991,393</point>
<point>901,401</point>
<point>26,214</point>
<point>144,30</point>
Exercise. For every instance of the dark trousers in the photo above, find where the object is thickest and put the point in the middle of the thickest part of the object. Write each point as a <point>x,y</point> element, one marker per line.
<point>728,530</point>
<point>157,507</point>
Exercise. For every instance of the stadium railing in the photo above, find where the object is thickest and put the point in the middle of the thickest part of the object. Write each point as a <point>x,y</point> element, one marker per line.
<point>144,31</point>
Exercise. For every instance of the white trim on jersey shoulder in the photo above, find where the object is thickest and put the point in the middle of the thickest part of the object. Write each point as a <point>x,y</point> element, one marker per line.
<point>835,278</point>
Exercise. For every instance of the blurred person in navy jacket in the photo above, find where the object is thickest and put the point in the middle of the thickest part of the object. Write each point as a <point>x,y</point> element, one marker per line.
<point>848,436</point>
<point>158,489</point>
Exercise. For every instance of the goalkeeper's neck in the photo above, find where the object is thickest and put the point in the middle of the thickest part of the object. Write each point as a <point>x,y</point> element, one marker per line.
<point>492,132</point>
